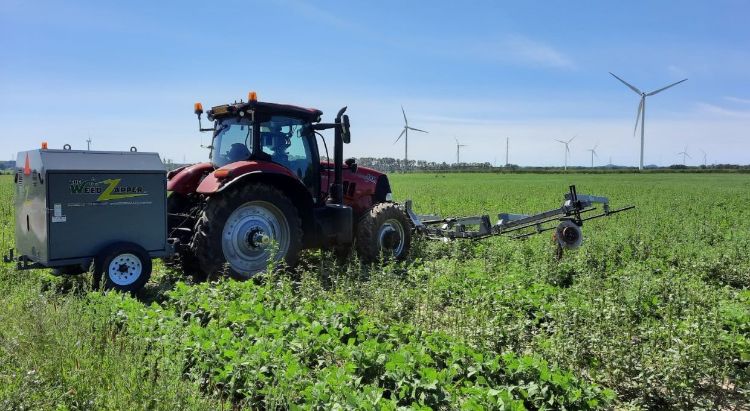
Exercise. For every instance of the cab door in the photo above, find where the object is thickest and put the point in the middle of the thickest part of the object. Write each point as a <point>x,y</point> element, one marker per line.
<point>290,142</point>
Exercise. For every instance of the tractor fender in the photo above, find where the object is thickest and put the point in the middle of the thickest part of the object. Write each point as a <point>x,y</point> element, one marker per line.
<point>271,174</point>
<point>231,173</point>
<point>185,180</point>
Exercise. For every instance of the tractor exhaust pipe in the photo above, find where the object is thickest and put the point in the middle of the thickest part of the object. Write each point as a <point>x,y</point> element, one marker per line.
<point>341,136</point>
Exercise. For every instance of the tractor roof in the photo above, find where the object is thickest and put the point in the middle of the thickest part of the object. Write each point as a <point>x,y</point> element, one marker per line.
<point>310,114</point>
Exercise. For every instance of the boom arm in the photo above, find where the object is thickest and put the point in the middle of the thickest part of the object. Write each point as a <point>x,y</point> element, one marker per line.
<point>569,218</point>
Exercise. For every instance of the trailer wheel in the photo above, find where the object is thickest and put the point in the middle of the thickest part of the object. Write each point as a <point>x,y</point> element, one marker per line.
<point>124,267</point>
<point>241,230</point>
<point>384,230</point>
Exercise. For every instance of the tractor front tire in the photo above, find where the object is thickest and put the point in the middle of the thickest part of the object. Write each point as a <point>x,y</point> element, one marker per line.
<point>241,230</point>
<point>385,230</point>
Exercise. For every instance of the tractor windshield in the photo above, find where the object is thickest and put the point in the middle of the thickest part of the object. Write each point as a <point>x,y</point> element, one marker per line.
<point>233,142</point>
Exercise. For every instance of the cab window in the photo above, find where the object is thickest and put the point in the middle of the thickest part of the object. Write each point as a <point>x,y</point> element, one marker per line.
<point>233,142</point>
<point>286,141</point>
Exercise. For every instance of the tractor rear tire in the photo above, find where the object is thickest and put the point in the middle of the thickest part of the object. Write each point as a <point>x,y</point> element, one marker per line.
<point>240,230</point>
<point>385,230</point>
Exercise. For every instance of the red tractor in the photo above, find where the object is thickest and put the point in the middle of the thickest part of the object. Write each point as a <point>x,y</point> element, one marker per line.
<point>265,195</point>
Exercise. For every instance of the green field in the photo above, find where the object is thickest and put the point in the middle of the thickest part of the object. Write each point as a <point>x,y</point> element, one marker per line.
<point>653,312</point>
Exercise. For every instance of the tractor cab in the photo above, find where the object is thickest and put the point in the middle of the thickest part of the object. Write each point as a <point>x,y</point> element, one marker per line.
<point>265,195</point>
<point>267,132</point>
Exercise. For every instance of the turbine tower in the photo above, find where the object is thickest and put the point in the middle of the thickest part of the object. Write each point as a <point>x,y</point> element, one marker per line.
<point>405,135</point>
<point>507,150</point>
<point>705,163</point>
<point>593,153</point>
<point>567,150</point>
<point>642,108</point>
<point>684,154</point>
<point>458,150</point>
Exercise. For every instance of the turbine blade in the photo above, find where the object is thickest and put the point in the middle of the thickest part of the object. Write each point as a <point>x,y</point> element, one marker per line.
<point>405,120</point>
<point>638,117</point>
<point>664,88</point>
<point>561,141</point>
<point>400,135</point>
<point>573,138</point>
<point>632,87</point>
<point>416,129</point>
<point>688,156</point>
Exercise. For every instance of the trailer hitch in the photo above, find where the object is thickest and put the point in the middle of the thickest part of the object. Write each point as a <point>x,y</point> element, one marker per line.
<point>569,219</point>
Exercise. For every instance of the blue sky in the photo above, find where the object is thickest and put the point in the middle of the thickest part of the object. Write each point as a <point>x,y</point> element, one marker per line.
<point>128,73</point>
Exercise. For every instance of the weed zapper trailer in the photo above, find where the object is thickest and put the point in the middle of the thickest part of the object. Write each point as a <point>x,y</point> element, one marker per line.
<point>569,218</point>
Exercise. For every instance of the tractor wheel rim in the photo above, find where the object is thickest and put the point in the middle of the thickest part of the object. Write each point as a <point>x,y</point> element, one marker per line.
<point>253,234</point>
<point>391,237</point>
<point>125,269</point>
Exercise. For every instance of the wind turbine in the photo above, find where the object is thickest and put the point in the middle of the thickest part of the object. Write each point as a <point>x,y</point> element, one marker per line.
<point>567,149</point>
<point>684,154</point>
<point>405,135</point>
<point>593,153</point>
<point>642,108</point>
<point>704,158</point>
<point>458,150</point>
<point>507,151</point>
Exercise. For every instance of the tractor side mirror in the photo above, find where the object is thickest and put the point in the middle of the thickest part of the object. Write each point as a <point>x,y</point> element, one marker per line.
<point>346,135</point>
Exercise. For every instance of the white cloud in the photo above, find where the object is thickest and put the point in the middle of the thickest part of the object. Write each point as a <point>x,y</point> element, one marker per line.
<point>737,99</point>
<point>319,15</point>
<point>722,111</point>
<point>677,71</point>
<point>526,50</point>
<point>515,49</point>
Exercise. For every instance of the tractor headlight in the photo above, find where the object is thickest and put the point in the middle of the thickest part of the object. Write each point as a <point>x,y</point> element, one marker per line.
<point>389,197</point>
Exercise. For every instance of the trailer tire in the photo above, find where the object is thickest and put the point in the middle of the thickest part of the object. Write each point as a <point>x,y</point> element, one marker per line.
<point>123,266</point>
<point>384,230</point>
<point>233,233</point>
